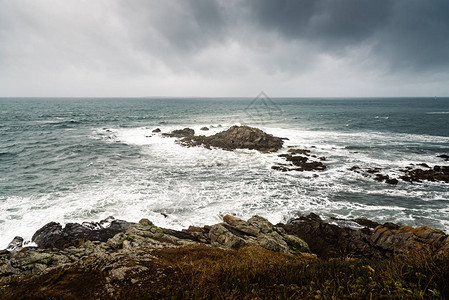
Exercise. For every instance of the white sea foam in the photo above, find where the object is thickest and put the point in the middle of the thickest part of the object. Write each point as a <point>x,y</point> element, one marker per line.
<point>197,186</point>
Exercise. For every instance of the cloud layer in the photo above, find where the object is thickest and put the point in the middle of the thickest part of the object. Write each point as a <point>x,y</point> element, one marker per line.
<point>224,48</point>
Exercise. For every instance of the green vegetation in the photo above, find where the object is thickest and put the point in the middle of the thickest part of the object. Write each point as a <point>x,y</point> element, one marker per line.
<point>201,272</point>
<point>44,261</point>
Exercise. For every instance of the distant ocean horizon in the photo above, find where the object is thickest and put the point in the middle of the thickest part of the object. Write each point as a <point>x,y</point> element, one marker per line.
<point>84,159</point>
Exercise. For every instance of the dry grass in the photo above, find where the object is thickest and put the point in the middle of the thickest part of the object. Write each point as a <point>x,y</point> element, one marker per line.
<point>201,272</point>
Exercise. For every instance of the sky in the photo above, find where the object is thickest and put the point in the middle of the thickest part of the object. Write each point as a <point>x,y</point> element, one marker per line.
<point>223,48</point>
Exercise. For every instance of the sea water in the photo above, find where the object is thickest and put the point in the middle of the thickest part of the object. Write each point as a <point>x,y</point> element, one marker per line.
<point>74,160</point>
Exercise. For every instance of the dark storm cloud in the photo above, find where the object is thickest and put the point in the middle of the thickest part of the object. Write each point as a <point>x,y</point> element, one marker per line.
<point>179,27</point>
<point>404,33</point>
<point>224,46</point>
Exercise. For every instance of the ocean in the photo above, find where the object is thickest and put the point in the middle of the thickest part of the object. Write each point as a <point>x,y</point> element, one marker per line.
<point>74,160</point>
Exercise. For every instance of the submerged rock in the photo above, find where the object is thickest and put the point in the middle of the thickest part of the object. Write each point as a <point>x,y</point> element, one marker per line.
<point>301,163</point>
<point>156,130</point>
<point>437,173</point>
<point>204,128</point>
<point>444,156</point>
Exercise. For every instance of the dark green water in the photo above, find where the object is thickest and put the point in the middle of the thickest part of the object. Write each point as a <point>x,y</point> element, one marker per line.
<point>85,159</point>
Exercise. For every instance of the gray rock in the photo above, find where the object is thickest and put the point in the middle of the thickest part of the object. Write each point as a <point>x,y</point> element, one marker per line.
<point>15,245</point>
<point>219,234</point>
<point>53,235</point>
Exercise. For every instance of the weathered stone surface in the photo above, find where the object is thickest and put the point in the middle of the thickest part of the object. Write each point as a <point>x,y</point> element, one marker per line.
<point>237,137</point>
<point>221,235</point>
<point>127,251</point>
<point>329,240</point>
<point>407,238</point>
<point>53,235</point>
<point>15,245</point>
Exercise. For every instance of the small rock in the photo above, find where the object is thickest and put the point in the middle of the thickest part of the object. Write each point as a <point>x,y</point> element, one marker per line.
<point>15,245</point>
<point>204,128</point>
<point>444,156</point>
<point>180,133</point>
<point>393,181</point>
<point>156,130</point>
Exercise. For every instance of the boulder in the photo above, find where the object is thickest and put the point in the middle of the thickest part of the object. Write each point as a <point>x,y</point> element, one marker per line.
<point>204,128</point>
<point>156,130</point>
<point>15,245</point>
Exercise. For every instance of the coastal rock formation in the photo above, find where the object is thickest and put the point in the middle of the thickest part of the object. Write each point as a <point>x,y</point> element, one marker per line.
<point>378,176</point>
<point>180,133</point>
<point>437,173</point>
<point>145,254</point>
<point>236,137</point>
<point>53,235</point>
<point>59,246</point>
<point>411,174</point>
<point>364,238</point>
<point>300,162</point>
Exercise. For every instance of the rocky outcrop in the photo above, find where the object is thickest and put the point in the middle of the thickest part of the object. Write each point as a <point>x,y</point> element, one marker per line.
<point>411,173</point>
<point>257,231</point>
<point>302,162</point>
<point>57,248</point>
<point>437,173</point>
<point>236,137</point>
<point>330,240</point>
<point>374,173</point>
<point>53,235</point>
<point>180,133</point>
<point>303,237</point>
<point>364,238</point>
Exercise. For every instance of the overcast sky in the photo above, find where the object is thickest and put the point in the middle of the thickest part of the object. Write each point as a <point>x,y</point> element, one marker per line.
<point>139,48</point>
